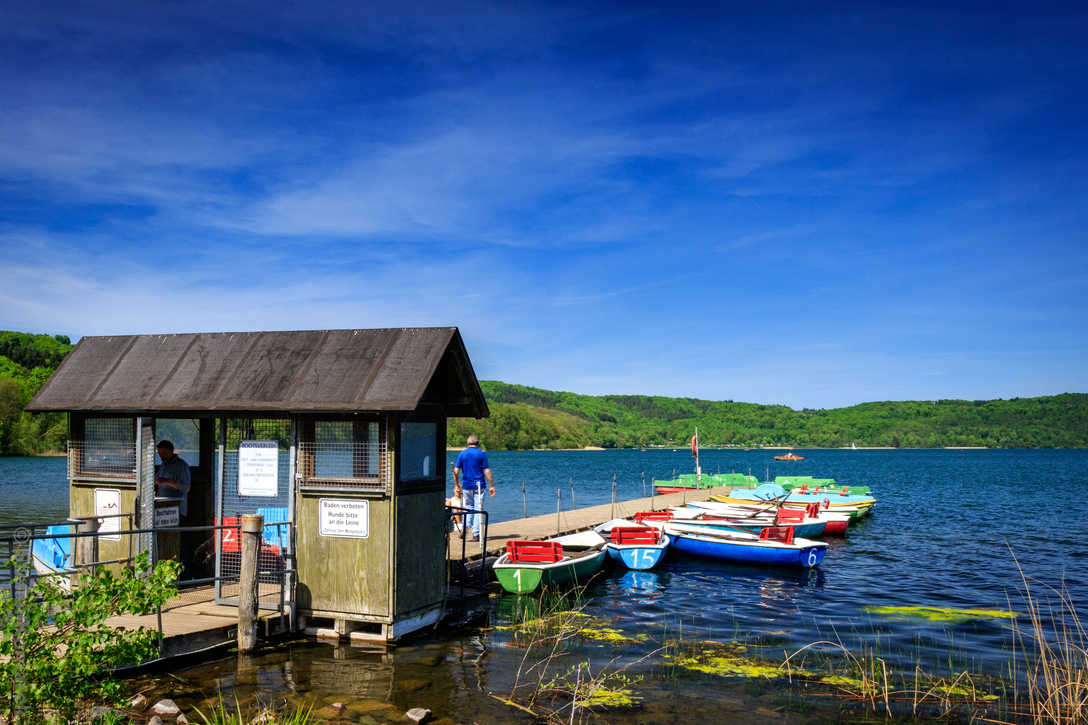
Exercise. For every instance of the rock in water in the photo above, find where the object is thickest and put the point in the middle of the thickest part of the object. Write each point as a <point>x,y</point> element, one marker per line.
<point>418,714</point>
<point>155,720</point>
<point>182,720</point>
<point>335,709</point>
<point>165,708</point>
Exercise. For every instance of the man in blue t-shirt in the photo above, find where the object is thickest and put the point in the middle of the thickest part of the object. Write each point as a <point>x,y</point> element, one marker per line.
<point>472,462</point>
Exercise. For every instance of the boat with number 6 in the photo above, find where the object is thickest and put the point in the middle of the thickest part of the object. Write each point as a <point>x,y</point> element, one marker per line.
<point>561,562</point>
<point>775,546</point>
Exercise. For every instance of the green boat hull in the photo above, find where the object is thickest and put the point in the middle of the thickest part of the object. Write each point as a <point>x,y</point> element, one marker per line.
<point>527,578</point>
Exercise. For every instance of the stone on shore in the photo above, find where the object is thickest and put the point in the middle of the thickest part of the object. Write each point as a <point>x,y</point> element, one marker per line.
<point>418,714</point>
<point>138,703</point>
<point>166,708</point>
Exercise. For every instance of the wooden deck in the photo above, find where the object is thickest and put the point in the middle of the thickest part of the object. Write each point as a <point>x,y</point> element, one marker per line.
<point>543,527</point>
<point>193,622</point>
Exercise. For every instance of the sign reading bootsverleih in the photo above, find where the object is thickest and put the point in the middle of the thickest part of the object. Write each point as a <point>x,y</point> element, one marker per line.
<point>258,468</point>
<point>344,517</point>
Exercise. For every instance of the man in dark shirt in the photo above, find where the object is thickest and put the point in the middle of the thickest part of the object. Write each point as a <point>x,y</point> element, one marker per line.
<point>472,462</point>
<point>172,477</point>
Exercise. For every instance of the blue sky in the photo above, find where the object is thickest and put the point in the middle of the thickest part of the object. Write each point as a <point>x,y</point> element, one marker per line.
<point>815,206</point>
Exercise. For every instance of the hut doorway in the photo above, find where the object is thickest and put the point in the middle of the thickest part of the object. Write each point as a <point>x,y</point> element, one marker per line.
<point>255,471</point>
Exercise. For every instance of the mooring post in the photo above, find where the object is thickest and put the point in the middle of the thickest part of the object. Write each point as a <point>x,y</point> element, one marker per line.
<point>570,482</point>
<point>252,528</point>
<point>86,547</point>
<point>613,497</point>
<point>558,503</point>
<point>524,502</point>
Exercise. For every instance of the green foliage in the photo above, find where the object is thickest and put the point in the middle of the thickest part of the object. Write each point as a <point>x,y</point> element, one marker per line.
<point>524,417</point>
<point>26,362</point>
<point>30,351</point>
<point>56,650</point>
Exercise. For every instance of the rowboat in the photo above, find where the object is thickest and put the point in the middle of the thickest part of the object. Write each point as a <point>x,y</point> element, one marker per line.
<point>835,522</point>
<point>690,481</point>
<point>53,556</point>
<point>791,456</point>
<point>773,547</point>
<point>559,562</point>
<point>635,545</point>
<point>802,526</point>
<point>770,492</point>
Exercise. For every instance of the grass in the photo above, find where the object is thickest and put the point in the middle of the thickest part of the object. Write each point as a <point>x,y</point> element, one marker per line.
<point>222,715</point>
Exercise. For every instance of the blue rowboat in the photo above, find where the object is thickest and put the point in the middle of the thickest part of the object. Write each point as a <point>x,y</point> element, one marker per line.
<point>635,546</point>
<point>774,547</point>
<point>54,555</point>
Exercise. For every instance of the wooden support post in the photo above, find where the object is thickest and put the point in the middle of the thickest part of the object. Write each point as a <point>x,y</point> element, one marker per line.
<point>86,547</point>
<point>252,528</point>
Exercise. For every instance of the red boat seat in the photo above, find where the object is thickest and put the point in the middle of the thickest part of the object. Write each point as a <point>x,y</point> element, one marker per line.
<point>653,516</point>
<point>635,535</point>
<point>813,510</point>
<point>538,552</point>
<point>228,538</point>
<point>844,491</point>
<point>777,533</point>
<point>789,516</point>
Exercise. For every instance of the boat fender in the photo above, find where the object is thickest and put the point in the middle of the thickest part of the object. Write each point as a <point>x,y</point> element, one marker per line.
<point>827,502</point>
<point>843,493</point>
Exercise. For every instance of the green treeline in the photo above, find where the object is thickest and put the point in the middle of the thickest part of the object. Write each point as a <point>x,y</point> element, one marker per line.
<point>26,362</point>
<point>524,417</point>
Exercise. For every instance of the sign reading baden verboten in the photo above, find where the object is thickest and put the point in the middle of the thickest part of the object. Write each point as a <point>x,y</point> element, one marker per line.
<point>346,518</point>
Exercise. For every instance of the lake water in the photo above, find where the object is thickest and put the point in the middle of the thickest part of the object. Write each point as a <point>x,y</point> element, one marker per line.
<point>941,535</point>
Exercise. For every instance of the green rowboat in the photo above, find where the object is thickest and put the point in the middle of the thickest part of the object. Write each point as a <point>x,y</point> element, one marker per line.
<point>560,563</point>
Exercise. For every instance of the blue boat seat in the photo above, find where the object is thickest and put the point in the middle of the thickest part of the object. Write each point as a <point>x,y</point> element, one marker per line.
<point>60,549</point>
<point>275,535</point>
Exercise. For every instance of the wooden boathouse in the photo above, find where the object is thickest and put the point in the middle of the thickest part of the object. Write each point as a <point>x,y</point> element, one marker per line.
<point>336,436</point>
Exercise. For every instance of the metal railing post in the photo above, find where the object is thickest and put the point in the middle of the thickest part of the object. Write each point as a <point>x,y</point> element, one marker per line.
<point>570,482</point>
<point>613,510</point>
<point>558,504</point>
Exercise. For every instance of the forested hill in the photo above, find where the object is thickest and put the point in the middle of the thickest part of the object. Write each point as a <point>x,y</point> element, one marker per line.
<point>524,417</point>
<point>26,362</point>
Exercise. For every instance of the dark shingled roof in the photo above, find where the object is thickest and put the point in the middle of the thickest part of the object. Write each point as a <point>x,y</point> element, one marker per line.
<point>334,371</point>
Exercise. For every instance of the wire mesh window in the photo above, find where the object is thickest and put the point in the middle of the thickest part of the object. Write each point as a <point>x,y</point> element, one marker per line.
<point>106,448</point>
<point>345,454</point>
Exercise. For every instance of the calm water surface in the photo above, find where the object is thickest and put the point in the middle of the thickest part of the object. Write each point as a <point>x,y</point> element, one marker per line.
<point>941,535</point>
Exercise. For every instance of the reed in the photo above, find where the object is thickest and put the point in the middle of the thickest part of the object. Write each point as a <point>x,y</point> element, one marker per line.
<point>1055,659</point>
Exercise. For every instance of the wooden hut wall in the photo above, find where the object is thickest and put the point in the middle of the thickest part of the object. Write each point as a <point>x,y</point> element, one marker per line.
<point>344,577</point>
